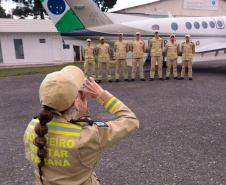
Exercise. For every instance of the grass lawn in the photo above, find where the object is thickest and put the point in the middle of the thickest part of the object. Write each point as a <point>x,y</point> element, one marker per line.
<point>39,70</point>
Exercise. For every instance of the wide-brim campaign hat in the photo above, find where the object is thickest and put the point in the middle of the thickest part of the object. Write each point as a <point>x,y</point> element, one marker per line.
<point>59,89</point>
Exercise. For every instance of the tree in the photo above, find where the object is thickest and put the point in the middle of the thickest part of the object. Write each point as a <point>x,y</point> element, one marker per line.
<point>105,5</point>
<point>2,12</point>
<point>27,8</point>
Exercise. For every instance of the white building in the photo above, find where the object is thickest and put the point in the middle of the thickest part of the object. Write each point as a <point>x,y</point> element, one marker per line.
<point>25,42</point>
<point>178,8</point>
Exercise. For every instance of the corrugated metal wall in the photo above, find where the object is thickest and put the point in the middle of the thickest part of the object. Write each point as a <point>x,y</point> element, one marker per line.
<point>34,51</point>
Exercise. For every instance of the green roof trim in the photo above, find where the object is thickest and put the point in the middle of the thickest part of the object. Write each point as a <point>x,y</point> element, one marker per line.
<point>69,22</point>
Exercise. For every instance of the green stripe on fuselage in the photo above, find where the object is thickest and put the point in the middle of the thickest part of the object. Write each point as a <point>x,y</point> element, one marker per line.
<point>69,22</point>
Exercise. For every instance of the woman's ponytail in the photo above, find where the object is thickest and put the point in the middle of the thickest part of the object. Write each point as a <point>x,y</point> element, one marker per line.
<point>41,129</point>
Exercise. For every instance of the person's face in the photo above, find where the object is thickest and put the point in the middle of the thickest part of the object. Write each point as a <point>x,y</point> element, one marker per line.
<point>157,34</point>
<point>120,37</point>
<point>172,39</point>
<point>88,43</point>
<point>102,41</point>
<point>187,39</point>
<point>137,36</point>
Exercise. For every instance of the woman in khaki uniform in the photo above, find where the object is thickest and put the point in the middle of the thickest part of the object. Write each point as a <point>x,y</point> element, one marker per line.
<point>65,148</point>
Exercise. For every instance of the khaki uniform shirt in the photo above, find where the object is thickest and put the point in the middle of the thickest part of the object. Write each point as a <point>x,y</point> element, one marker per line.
<point>89,53</point>
<point>103,52</point>
<point>74,149</point>
<point>188,49</point>
<point>172,50</point>
<point>121,49</point>
<point>138,48</point>
<point>156,46</point>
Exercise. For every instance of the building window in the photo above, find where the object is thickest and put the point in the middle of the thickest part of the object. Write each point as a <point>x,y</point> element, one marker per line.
<point>18,44</point>
<point>188,25</point>
<point>174,26</point>
<point>212,24</point>
<point>155,27</point>
<point>196,25</point>
<point>1,58</point>
<point>42,40</point>
<point>219,24</point>
<point>65,46</point>
<point>204,24</point>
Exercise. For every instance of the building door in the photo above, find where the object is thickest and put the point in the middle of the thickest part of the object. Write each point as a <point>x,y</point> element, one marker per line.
<point>1,57</point>
<point>57,50</point>
<point>78,53</point>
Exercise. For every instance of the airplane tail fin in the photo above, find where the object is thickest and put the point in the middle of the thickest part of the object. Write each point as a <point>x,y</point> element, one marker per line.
<point>68,15</point>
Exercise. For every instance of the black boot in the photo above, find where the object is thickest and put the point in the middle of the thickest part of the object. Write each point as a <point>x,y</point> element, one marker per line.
<point>167,78</point>
<point>151,79</point>
<point>110,81</point>
<point>176,78</point>
<point>181,78</point>
<point>161,79</point>
<point>142,79</point>
<point>190,78</point>
<point>117,80</point>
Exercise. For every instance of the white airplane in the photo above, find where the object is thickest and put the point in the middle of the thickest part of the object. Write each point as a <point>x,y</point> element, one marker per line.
<point>77,20</point>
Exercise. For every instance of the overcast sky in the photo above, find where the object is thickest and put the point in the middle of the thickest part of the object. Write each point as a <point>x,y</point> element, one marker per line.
<point>8,5</point>
<point>121,4</point>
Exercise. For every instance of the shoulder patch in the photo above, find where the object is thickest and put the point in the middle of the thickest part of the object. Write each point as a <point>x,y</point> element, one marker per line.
<point>100,124</point>
<point>98,45</point>
<point>160,38</point>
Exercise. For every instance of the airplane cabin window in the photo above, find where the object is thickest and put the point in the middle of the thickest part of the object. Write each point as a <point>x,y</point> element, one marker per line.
<point>204,25</point>
<point>155,27</point>
<point>196,25</point>
<point>212,24</point>
<point>188,25</point>
<point>174,26</point>
<point>219,23</point>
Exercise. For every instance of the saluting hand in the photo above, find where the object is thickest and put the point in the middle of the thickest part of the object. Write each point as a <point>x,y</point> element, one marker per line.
<point>92,89</point>
<point>81,102</point>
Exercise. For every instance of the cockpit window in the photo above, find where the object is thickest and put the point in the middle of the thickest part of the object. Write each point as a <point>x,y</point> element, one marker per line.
<point>204,25</point>
<point>174,26</point>
<point>212,24</point>
<point>196,25</point>
<point>155,27</point>
<point>219,24</point>
<point>188,25</point>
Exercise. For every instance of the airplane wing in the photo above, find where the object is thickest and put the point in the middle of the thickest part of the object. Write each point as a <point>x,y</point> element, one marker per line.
<point>212,47</point>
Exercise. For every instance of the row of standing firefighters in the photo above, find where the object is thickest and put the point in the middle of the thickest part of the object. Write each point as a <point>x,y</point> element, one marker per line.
<point>137,47</point>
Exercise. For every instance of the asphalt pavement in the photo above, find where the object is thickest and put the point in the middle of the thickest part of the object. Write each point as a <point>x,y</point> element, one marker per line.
<point>181,139</point>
